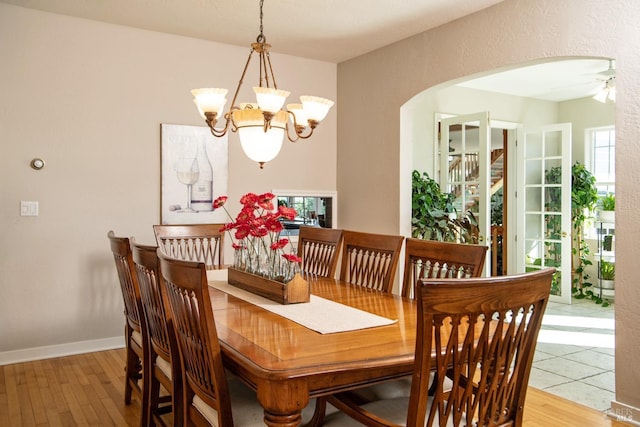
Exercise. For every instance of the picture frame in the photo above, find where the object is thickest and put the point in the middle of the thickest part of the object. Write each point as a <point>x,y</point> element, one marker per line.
<point>194,170</point>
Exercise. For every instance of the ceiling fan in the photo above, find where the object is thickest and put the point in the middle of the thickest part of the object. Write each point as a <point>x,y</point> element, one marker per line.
<point>607,74</point>
<point>607,91</point>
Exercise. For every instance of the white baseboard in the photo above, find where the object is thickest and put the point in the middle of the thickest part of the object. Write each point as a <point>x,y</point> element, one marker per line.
<point>68,349</point>
<point>624,413</point>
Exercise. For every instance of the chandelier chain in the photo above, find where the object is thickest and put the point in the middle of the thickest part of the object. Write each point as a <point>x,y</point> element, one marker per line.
<point>261,35</point>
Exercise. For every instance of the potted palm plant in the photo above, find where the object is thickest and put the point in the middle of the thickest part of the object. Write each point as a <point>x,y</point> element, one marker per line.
<point>607,274</point>
<point>607,207</point>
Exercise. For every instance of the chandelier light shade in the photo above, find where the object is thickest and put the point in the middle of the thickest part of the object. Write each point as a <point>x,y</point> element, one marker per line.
<point>261,125</point>
<point>210,99</point>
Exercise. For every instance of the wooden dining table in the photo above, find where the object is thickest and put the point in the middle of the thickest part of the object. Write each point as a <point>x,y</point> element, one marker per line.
<point>288,364</point>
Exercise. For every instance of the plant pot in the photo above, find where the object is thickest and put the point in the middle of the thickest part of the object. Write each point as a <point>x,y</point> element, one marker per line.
<point>295,291</point>
<point>607,284</point>
<point>607,216</point>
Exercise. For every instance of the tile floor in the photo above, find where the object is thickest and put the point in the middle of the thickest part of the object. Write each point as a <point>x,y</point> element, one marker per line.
<point>574,357</point>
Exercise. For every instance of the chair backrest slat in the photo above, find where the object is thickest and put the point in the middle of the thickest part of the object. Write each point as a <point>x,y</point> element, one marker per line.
<point>319,249</point>
<point>430,259</point>
<point>192,242</point>
<point>370,260</point>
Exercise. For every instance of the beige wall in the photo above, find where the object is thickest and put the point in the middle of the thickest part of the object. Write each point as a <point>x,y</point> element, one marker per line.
<point>372,88</point>
<point>89,98</point>
<point>585,114</point>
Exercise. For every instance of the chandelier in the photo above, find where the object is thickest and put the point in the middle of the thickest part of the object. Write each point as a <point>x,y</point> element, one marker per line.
<point>261,125</point>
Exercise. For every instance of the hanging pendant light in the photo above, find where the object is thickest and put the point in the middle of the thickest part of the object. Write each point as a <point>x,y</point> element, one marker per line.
<point>263,124</point>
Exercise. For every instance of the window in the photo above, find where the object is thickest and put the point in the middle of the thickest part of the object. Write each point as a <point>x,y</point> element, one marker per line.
<point>603,166</point>
<point>314,208</point>
<point>602,154</point>
<point>309,209</point>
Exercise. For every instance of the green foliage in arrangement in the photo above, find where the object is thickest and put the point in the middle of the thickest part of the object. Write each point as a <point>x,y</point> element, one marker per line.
<point>608,202</point>
<point>584,197</point>
<point>433,216</point>
<point>607,270</point>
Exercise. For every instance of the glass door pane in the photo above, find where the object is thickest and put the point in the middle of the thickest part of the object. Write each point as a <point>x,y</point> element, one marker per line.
<point>544,181</point>
<point>465,165</point>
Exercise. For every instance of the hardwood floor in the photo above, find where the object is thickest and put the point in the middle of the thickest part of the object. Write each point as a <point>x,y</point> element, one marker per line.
<point>87,389</point>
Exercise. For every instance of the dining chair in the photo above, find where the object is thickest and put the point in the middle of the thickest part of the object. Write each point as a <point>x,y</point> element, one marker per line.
<point>437,260</point>
<point>192,242</point>
<point>319,249</point>
<point>135,330</point>
<point>428,259</point>
<point>425,259</point>
<point>497,352</point>
<point>164,357</point>
<point>370,260</point>
<point>209,396</point>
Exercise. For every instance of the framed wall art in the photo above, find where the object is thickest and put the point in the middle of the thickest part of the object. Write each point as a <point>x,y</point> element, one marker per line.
<point>194,171</point>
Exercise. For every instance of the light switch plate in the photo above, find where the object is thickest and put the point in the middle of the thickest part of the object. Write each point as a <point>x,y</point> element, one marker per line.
<point>29,208</point>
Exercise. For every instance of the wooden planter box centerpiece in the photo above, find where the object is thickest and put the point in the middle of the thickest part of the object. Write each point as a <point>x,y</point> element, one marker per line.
<point>296,291</point>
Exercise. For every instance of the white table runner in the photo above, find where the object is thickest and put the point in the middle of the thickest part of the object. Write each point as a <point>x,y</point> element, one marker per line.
<point>319,314</point>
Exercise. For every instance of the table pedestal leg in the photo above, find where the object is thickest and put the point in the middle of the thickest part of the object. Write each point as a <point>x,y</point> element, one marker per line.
<point>283,402</point>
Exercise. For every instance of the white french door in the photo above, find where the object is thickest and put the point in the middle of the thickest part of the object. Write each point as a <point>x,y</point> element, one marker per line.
<point>465,143</point>
<point>543,202</point>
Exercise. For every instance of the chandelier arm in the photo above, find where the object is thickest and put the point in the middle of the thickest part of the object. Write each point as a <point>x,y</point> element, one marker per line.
<point>298,129</point>
<point>301,136</point>
<point>234,125</point>
<point>235,95</point>
<point>289,137</point>
<point>218,132</point>
<point>211,120</point>
<point>263,69</point>
<point>273,76</point>
<point>263,48</point>
<point>295,126</point>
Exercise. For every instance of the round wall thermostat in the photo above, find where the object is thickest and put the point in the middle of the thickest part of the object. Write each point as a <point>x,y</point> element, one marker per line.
<point>37,164</point>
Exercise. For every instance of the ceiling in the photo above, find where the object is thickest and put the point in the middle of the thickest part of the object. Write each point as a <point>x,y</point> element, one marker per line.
<point>313,29</point>
<point>329,30</point>
<point>559,80</point>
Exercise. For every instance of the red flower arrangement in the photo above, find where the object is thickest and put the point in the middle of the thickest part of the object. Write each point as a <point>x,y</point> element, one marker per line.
<point>259,249</point>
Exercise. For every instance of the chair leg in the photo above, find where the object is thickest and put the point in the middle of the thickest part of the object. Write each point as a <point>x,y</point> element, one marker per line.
<point>177,397</point>
<point>145,383</point>
<point>154,399</point>
<point>131,366</point>
<point>187,398</point>
<point>136,377</point>
<point>154,395</point>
